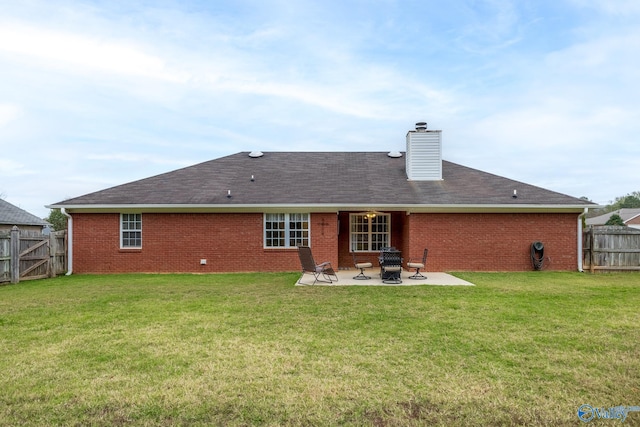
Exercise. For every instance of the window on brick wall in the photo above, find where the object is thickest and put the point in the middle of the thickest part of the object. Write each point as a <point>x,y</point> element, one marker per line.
<point>130,231</point>
<point>369,233</point>
<point>286,230</point>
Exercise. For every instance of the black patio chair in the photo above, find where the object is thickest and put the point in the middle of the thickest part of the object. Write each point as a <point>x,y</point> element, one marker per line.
<point>391,267</point>
<point>419,265</point>
<point>309,266</point>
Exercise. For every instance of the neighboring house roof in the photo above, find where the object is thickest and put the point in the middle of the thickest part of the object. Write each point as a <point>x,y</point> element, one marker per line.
<point>625,213</point>
<point>344,180</point>
<point>13,215</point>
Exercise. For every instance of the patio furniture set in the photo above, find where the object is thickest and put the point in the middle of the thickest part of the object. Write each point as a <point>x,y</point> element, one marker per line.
<point>389,259</point>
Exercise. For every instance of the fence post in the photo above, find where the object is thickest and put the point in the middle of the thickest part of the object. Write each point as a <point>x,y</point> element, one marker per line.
<point>14,250</point>
<point>592,245</point>
<point>53,253</point>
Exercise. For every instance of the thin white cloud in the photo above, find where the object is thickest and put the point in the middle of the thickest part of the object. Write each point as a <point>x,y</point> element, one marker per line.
<point>611,7</point>
<point>140,158</point>
<point>14,168</point>
<point>336,90</point>
<point>58,48</point>
<point>9,113</point>
<point>493,25</point>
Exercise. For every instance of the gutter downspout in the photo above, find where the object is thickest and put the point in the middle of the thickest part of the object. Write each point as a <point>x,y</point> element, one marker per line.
<point>580,254</point>
<point>69,242</point>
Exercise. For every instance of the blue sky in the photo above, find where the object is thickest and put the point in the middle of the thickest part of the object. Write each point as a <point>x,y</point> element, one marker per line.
<point>98,93</point>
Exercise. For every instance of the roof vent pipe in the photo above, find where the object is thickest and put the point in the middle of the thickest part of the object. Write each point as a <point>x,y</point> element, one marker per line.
<point>421,126</point>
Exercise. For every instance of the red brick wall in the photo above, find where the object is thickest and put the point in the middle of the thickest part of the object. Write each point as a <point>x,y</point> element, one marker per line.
<point>324,238</point>
<point>234,242</point>
<point>492,242</point>
<point>177,243</point>
<point>477,242</point>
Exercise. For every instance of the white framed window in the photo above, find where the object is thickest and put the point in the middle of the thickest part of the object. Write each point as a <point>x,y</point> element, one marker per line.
<point>369,232</point>
<point>130,230</point>
<point>286,230</point>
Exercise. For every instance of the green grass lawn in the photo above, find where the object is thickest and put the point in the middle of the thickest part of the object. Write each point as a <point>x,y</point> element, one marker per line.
<point>253,349</point>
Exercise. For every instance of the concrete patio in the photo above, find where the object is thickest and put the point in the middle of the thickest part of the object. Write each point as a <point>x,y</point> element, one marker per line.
<point>346,278</point>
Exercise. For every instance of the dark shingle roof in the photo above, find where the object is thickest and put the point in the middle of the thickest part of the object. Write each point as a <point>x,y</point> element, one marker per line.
<point>626,214</point>
<point>13,215</point>
<point>316,178</point>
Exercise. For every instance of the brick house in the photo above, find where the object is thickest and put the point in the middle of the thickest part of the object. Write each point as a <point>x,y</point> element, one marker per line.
<point>630,217</point>
<point>249,211</point>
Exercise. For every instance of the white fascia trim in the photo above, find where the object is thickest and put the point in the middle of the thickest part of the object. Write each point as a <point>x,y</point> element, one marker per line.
<point>494,208</point>
<point>297,207</point>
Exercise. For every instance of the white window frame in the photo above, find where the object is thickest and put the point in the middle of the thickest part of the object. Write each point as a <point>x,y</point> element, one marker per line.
<point>302,236</point>
<point>369,236</point>
<point>125,227</point>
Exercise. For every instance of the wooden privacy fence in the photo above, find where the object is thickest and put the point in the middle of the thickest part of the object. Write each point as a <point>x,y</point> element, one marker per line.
<point>27,255</point>
<point>611,248</point>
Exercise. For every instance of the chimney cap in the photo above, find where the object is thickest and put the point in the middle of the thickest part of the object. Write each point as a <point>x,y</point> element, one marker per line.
<point>421,126</point>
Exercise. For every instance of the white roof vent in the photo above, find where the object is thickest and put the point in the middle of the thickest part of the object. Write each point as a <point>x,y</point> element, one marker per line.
<point>394,154</point>
<point>256,154</point>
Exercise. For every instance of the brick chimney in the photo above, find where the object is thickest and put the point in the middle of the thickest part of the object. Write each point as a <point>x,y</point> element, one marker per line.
<point>424,154</point>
